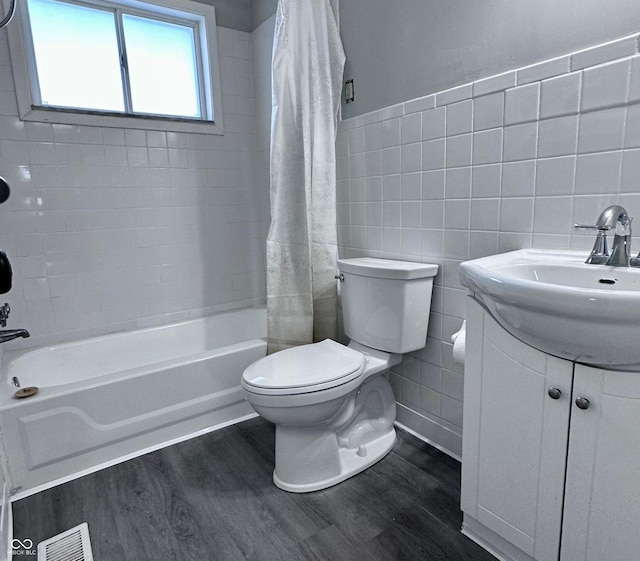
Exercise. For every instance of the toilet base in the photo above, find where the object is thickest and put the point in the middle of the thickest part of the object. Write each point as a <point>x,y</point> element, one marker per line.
<point>350,464</point>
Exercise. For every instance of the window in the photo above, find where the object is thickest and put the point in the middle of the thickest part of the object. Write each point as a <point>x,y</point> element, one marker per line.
<point>111,63</point>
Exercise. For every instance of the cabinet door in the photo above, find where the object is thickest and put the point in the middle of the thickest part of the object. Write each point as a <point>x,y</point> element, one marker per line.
<point>602,502</point>
<point>515,437</point>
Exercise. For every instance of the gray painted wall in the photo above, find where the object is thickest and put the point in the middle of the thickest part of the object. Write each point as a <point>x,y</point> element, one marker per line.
<point>234,14</point>
<point>405,49</point>
<point>261,11</point>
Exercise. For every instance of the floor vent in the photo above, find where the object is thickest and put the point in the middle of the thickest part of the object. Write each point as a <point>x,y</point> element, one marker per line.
<point>72,545</point>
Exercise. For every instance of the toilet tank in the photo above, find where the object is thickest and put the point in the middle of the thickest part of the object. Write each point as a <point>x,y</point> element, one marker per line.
<point>386,303</point>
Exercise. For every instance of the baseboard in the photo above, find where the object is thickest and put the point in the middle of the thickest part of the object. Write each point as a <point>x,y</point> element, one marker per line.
<point>431,432</point>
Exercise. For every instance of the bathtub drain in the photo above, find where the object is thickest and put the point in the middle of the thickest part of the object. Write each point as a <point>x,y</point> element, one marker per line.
<point>26,392</point>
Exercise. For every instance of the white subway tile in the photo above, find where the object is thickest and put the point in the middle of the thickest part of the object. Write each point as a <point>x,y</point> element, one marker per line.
<point>411,128</point>
<point>558,137</point>
<point>433,247</point>
<point>391,112</point>
<point>411,186</point>
<point>516,215</point>
<point>411,157</point>
<point>432,214</point>
<point>459,149</point>
<point>486,181</point>
<point>410,218</point>
<point>458,183</point>
<point>598,173</point>
<point>521,104</point>
<point>632,129</point>
<point>374,217</point>
<point>555,176</point>
<point>433,123</point>
<point>373,137</point>
<point>420,104</point>
<point>38,132</point>
<point>35,288</point>
<point>601,130</point>
<point>457,214</point>
<point>485,214</point>
<point>433,184</point>
<point>606,85</point>
<point>391,160</point>
<point>430,401</point>
<point>494,83</point>
<point>630,180</point>
<point>488,111</point>
<point>391,187</point>
<point>391,214</point>
<point>452,385</point>
<point>520,142</point>
<point>620,48</point>
<point>373,162</point>
<point>542,70</point>
<point>134,137</point>
<point>456,242</point>
<point>560,96</point>
<point>454,95</point>
<point>459,117</point>
<point>518,179</point>
<point>487,147</point>
<point>390,133</point>
<point>433,154</point>
<point>430,375</point>
<point>552,215</point>
<point>483,244</point>
<point>634,85</point>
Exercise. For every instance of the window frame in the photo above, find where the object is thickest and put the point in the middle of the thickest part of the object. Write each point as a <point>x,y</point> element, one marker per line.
<point>174,11</point>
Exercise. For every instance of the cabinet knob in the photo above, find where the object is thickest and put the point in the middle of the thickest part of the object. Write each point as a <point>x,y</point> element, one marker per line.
<point>554,393</point>
<point>582,403</point>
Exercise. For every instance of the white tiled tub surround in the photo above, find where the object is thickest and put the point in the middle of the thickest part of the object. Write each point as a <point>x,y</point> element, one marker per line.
<point>508,162</point>
<point>111,229</point>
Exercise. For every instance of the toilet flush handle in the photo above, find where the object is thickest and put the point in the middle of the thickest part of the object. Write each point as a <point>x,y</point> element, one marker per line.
<point>340,277</point>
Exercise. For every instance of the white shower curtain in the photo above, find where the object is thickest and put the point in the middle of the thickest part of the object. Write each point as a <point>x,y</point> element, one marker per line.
<point>307,67</point>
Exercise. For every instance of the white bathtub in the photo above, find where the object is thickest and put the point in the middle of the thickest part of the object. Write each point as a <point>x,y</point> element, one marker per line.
<point>105,399</point>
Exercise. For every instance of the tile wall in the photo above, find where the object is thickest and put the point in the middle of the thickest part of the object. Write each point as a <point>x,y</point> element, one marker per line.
<point>507,162</point>
<point>111,229</point>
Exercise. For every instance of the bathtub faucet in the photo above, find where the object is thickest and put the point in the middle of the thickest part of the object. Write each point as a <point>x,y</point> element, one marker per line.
<point>11,334</point>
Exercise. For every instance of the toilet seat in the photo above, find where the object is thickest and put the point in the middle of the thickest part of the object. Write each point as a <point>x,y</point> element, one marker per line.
<point>304,369</point>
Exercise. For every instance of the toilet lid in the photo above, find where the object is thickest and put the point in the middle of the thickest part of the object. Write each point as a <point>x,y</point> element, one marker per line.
<point>306,368</point>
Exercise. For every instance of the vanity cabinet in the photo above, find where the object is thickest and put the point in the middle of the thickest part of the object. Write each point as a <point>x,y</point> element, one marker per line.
<point>551,452</point>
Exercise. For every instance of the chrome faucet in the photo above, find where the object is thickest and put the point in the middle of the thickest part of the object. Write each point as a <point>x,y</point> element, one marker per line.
<point>11,334</point>
<point>621,248</point>
<point>612,217</point>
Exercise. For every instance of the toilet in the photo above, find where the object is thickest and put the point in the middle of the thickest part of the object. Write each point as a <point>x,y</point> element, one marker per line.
<point>333,408</point>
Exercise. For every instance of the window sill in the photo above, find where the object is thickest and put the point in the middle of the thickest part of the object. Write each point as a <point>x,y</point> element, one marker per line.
<point>90,118</point>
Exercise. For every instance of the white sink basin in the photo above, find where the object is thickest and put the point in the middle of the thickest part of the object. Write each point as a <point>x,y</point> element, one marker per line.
<point>555,302</point>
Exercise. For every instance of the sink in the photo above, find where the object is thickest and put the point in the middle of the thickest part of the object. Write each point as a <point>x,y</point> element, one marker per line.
<point>556,303</point>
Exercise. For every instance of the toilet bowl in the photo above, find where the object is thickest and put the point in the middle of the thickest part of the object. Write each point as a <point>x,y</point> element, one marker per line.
<point>333,407</point>
<point>332,422</point>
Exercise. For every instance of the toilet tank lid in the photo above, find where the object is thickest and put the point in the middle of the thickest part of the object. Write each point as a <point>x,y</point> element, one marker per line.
<point>387,268</point>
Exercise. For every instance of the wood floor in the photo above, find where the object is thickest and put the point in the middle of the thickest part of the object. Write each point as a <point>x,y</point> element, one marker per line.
<point>212,498</point>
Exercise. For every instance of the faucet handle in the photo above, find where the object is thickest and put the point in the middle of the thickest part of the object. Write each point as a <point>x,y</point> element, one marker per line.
<point>602,228</point>
<point>4,314</point>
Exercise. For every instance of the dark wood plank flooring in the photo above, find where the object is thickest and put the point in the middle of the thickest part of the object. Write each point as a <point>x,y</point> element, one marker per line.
<point>212,498</point>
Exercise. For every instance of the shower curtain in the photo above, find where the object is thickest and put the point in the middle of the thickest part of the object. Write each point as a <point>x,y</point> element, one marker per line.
<point>307,66</point>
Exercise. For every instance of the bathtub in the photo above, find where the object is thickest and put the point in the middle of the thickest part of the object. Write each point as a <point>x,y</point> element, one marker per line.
<point>113,397</point>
